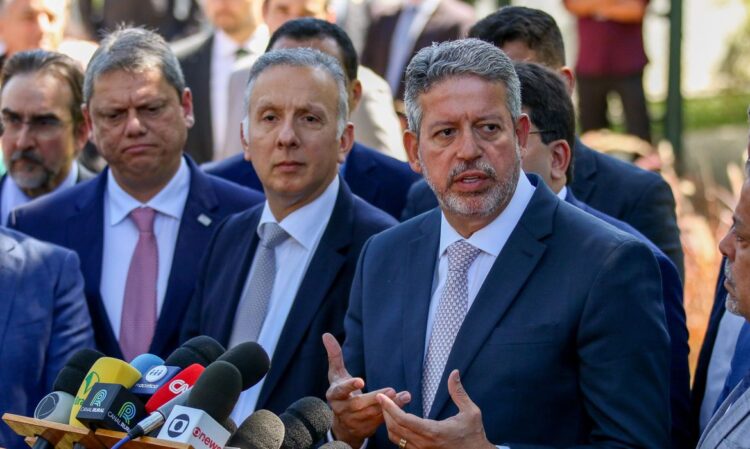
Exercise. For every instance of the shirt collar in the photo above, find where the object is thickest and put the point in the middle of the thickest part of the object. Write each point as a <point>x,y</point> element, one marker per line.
<point>255,45</point>
<point>169,201</point>
<point>491,238</point>
<point>304,224</point>
<point>563,193</point>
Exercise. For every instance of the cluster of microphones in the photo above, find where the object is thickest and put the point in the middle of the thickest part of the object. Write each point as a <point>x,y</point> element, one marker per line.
<point>187,398</point>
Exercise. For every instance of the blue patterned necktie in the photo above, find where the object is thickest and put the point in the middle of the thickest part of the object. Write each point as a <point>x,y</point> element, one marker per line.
<point>454,304</point>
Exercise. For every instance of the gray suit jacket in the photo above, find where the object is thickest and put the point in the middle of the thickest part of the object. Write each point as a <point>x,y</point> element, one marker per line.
<point>730,426</point>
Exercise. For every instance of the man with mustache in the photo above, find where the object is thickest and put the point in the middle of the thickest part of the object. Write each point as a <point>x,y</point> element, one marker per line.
<point>506,316</point>
<point>43,126</point>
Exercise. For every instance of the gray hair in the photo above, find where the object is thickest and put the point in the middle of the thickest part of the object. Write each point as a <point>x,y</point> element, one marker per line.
<point>301,57</point>
<point>133,50</point>
<point>465,57</point>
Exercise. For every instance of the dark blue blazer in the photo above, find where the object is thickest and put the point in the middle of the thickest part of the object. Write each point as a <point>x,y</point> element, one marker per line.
<point>376,178</point>
<point>628,193</point>
<point>565,344</point>
<point>674,309</point>
<point>74,218</point>
<point>299,365</point>
<point>619,189</point>
<point>43,320</point>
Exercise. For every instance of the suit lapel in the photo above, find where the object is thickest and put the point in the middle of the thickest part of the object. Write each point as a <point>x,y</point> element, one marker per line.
<point>8,280</point>
<point>726,418</point>
<point>196,225</point>
<point>324,267</point>
<point>584,168</point>
<point>513,266</point>
<point>420,271</point>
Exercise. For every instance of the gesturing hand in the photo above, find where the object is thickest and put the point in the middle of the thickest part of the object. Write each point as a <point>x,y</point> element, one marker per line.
<point>464,429</point>
<point>356,415</point>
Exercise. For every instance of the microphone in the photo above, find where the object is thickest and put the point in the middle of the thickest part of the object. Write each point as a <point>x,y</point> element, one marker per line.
<point>55,407</point>
<point>305,422</point>
<point>104,370</point>
<point>110,406</point>
<point>261,430</point>
<point>252,361</point>
<point>335,445</point>
<point>145,362</point>
<point>177,385</point>
<point>201,350</point>
<point>210,402</point>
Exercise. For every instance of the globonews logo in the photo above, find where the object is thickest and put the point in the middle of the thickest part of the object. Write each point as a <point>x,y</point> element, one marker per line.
<point>155,374</point>
<point>178,426</point>
<point>99,397</point>
<point>46,406</point>
<point>177,386</point>
<point>127,412</point>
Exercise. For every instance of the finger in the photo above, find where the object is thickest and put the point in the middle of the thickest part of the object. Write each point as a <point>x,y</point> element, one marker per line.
<point>400,418</point>
<point>336,368</point>
<point>458,393</point>
<point>364,400</point>
<point>343,389</point>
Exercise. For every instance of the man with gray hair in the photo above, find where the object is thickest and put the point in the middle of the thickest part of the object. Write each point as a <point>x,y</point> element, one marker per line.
<point>140,227</point>
<point>280,273</point>
<point>553,319</point>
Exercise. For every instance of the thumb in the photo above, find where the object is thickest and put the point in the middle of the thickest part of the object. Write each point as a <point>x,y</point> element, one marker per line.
<point>458,393</point>
<point>336,368</point>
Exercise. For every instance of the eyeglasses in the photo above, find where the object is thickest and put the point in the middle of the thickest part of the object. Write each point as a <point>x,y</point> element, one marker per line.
<point>41,126</point>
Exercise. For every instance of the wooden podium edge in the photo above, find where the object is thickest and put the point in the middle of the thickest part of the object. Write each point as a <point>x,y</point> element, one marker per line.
<point>110,437</point>
<point>62,436</point>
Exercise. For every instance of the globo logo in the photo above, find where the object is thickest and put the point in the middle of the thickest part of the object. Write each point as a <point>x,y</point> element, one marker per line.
<point>178,426</point>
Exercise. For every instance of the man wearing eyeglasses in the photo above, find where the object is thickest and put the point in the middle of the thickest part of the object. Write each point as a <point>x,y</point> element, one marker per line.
<point>44,130</point>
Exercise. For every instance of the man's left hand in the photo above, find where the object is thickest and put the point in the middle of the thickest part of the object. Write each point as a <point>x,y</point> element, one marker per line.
<point>465,429</point>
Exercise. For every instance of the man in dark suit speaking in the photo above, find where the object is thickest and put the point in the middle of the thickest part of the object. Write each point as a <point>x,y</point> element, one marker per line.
<point>280,273</point>
<point>554,320</point>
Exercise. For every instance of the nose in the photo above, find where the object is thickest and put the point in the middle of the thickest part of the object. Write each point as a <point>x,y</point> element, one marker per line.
<point>134,126</point>
<point>468,148</point>
<point>25,137</point>
<point>287,137</point>
<point>725,245</point>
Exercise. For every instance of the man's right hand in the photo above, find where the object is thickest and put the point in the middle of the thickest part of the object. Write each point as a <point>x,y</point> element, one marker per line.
<point>356,415</point>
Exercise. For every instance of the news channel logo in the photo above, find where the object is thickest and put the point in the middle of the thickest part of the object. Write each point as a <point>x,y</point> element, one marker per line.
<point>99,397</point>
<point>46,406</point>
<point>91,379</point>
<point>155,374</point>
<point>127,412</point>
<point>179,425</point>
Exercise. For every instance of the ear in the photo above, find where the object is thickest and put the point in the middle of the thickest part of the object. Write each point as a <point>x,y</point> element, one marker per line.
<point>356,96</point>
<point>411,144</point>
<point>523,124</point>
<point>346,142</point>
<point>561,156</point>
<point>569,78</point>
<point>186,101</point>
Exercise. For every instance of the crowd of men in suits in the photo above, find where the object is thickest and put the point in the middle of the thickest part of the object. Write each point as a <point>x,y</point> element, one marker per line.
<point>531,296</point>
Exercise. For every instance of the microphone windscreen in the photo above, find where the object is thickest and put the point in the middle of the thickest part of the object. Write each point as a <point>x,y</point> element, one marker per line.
<point>252,361</point>
<point>204,348</point>
<point>216,391</point>
<point>71,375</point>
<point>179,383</point>
<point>296,434</point>
<point>335,445</point>
<point>261,430</point>
<point>104,370</point>
<point>145,362</point>
<point>314,413</point>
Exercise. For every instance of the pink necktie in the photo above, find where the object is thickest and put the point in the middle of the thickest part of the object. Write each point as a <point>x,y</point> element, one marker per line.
<point>139,306</point>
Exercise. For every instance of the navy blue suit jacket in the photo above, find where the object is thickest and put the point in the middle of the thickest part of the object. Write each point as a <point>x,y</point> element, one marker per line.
<point>565,344</point>
<point>74,218</point>
<point>376,178</point>
<point>674,309</point>
<point>43,320</point>
<point>299,365</point>
<point>619,189</point>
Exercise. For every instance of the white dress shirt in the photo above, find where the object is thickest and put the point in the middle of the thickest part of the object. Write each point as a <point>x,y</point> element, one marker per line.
<point>14,197</point>
<point>410,23</point>
<point>121,236</point>
<point>720,364</point>
<point>305,227</point>
<point>223,59</point>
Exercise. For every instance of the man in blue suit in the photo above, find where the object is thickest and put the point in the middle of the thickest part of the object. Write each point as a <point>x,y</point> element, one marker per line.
<point>139,272</point>
<point>376,178</point>
<point>44,320</point>
<point>285,293</point>
<point>619,189</point>
<point>554,321</point>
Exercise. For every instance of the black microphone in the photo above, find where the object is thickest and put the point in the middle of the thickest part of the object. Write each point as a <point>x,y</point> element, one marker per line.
<point>56,406</point>
<point>261,430</point>
<point>210,402</point>
<point>335,445</point>
<point>201,350</point>
<point>305,422</point>
<point>111,406</point>
<point>252,361</point>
